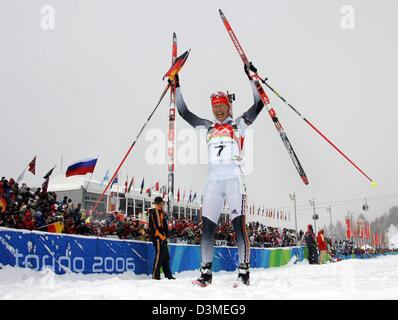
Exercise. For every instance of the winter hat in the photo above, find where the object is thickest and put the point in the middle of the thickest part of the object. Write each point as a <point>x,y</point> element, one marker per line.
<point>219,97</point>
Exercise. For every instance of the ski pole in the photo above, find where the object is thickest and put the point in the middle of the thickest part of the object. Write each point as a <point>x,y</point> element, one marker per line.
<point>317,130</point>
<point>171,74</point>
<point>132,145</point>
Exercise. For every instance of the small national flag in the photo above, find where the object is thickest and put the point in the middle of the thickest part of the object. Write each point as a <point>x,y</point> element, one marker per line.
<point>190,196</point>
<point>3,204</point>
<point>131,183</point>
<point>56,227</point>
<point>115,180</point>
<point>148,192</point>
<point>46,178</point>
<point>49,173</point>
<point>106,177</point>
<point>178,195</point>
<point>82,167</point>
<point>32,166</point>
<point>142,185</point>
<point>164,191</point>
<point>125,184</point>
<point>176,67</point>
<point>348,223</point>
<point>156,186</point>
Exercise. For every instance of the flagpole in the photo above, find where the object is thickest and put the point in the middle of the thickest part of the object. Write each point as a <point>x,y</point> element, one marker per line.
<point>117,194</point>
<point>125,195</point>
<point>179,209</point>
<point>134,213</point>
<point>85,191</point>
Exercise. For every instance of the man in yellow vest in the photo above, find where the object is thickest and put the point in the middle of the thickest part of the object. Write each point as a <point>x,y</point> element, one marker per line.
<point>158,230</point>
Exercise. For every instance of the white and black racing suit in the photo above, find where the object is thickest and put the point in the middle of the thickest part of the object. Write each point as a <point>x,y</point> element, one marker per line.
<point>225,179</point>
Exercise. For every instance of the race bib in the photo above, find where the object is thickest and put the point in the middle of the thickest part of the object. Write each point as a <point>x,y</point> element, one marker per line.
<point>223,149</point>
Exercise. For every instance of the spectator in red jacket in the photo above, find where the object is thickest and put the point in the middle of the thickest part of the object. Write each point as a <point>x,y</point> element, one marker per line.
<point>29,221</point>
<point>322,245</point>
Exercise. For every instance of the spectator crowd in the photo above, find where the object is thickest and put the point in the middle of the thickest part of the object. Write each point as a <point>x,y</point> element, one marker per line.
<point>23,208</point>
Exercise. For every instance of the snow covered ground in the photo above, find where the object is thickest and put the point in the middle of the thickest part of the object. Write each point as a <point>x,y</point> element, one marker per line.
<point>350,279</point>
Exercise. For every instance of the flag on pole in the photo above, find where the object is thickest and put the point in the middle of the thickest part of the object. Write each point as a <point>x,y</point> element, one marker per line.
<point>125,184</point>
<point>148,192</point>
<point>115,180</point>
<point>348,223</point>
<point>21,176</point>
<point>131,183</point>
<point>178,195</point>
<point>49,173</point>
<point>82,167</point>
<point>106,177</point>
<point>32,166</point>
<point>47,179</point>
<point>142,185</point>
<point>362,230</point>
<point>190,196</point>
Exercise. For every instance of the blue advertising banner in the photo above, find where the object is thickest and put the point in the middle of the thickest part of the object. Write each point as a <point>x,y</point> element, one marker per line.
<point>79,254</point>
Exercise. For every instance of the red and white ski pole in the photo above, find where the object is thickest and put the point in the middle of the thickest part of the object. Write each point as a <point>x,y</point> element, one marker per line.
<point>176,67</point>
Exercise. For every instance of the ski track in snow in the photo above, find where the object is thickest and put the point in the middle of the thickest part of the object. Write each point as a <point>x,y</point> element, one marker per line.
<point>349,279</point>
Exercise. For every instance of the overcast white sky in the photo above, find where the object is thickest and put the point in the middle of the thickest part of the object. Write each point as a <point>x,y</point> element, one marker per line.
<point>86,87</point>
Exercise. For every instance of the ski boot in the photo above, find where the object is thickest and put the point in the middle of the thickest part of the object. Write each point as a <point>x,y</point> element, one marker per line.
<point>205,275</point>
<point>243,275</point>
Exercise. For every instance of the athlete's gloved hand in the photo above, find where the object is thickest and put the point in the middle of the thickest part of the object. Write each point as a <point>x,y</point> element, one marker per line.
<point>251,67</point>
<point>177,80</point>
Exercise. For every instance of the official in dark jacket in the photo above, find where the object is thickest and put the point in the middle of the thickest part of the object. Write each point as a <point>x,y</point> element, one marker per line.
<point>310,240</point>
<point>158,230</point>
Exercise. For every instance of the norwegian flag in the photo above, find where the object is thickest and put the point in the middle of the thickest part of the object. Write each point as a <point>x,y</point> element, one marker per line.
<point>32,166</point>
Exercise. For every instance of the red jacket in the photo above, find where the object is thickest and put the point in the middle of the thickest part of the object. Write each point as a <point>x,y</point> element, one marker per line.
<point>321,241</point>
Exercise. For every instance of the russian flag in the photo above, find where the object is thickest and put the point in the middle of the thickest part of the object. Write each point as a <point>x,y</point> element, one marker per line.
<point>81,167</point>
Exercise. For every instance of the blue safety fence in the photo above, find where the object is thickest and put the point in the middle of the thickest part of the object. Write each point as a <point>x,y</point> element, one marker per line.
<point>79,254</point>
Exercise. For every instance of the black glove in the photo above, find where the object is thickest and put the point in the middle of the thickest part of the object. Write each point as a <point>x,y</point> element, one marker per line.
<point>251,67</point>
<point>176,81</point>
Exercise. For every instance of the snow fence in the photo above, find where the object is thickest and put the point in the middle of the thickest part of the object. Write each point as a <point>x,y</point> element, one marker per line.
<point>81,254</point>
